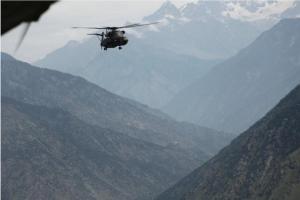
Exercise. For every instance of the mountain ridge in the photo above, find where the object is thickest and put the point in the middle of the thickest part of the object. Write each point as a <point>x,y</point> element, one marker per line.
<point>232,95</point>
<point>237,10</point>
<point>261,163</point>
<point>140,75</point>
<point>97,106</point>
<point>59,156</point>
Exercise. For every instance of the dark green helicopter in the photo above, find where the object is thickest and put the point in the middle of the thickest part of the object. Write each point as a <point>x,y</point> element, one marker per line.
<point>113,37</point>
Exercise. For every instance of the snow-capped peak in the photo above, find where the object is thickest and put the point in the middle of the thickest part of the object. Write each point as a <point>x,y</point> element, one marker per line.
<point>256,10</point>
<point>244,10</point>
<point>241,10</point>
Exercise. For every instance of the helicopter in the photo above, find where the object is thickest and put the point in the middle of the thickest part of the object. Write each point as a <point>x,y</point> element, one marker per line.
<point>113,37</point>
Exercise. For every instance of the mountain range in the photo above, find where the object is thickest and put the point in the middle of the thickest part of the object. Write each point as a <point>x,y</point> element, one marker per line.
<point>57,125</point>
<point>210,63</point>
<point>47,153</point>
<point>249,10</point>
<point>215,29</point>
<point>161,60</point>
<point>148,75</point>
<point>242,89</point>
<point>262,163</point>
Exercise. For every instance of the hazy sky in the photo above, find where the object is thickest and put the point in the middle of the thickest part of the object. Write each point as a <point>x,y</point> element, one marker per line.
<point>54,28</point>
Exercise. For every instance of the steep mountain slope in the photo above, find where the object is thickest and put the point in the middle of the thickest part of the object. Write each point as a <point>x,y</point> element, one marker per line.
<point>262,163</point>
<point>97,106</point>
<point>242,89</point>
<point>149,75</point>
<point>49,154</point>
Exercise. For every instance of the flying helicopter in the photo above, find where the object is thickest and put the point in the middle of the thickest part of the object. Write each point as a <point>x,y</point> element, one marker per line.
<point>113,36</point>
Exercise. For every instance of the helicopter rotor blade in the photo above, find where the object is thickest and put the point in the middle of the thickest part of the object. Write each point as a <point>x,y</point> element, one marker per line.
<point>116,27</point>
<point>136,25</point>
<point>91,27</point>
<point>98,34</point>
<point>22,36</point>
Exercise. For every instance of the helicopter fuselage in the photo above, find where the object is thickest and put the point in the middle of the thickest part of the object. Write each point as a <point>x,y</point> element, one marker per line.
<point>114,38</point>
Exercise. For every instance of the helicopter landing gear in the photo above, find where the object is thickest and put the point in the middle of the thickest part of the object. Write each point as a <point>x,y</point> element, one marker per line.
<point>120,48</point>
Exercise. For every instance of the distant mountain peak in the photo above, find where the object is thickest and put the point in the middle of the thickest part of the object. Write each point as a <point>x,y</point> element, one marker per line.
<point>168,4</point>
<point>167,9</point>
<point>248,10</point>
